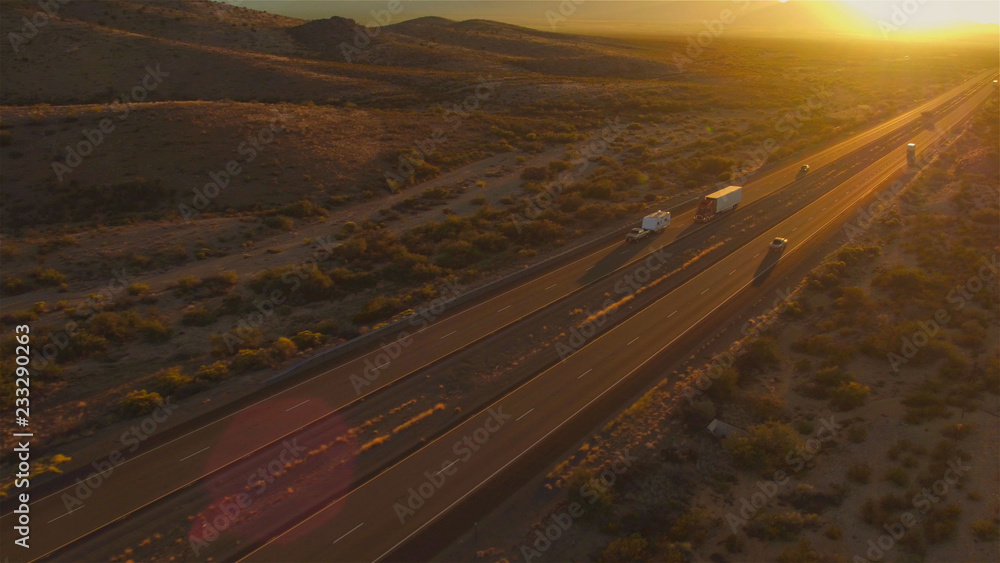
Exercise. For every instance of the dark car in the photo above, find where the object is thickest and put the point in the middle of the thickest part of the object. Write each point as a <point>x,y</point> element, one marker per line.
<point>804,169</point>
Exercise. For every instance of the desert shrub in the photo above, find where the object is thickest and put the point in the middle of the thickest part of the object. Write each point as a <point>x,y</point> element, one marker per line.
<point>780,526</point>
<point>534,173</point>
<point>214,371</point>
<point>279,222</point>
<point>540,232</point>
<point>12,285</point>
<point>580,489</point>
<point>138,403</point>
<point>857,434</point>
<point>764,446</point>
<point>803,552</point>
<point>114,326</point>
<point>138,289</point>
<point>249,360</point>
<point>299,283</point>
<point>765,406</point>
<point>83,344</point>
<point>344,278</point>
<point>985,530</point>
<point>20,317</point>
<point>283,348</point>
<point>758,355</point>
<point>702,412</point>
<point>153,329</point>
<point>823,346</point>
<point>626,550</point>
<point>379,308</point>
<point>849,395</point>
<point>170,380</point>
<point>595,213</point>
<point>853,254</point>
<point>925,404</point>
<point>956,431</point>
<point>693,526</point>
<point>735,543</point>
<point>725,384</point>
<point>859,472</point>
<point>186,284</point>
<point>436,194</point>
<point>218,284</point>
<point>306,339</point>
<point>852,299</point>
<point>901,281</point>
<point>49,276</point>
<point>457,254</point>
<point>198,316</point>
<point>941,523</point>
<point>302,209</point>
<point>897,476</point>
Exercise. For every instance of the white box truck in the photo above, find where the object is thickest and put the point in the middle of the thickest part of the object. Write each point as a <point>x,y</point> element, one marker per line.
<point>718,202</point>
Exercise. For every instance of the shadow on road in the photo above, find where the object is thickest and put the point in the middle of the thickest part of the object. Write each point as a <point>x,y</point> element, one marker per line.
<point>766,267</point>
<point>622,254</point>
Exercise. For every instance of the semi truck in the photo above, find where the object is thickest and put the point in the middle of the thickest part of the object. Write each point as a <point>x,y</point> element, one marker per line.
<point>719,202</point>
<point>911,154</point>
<point>652,223</point>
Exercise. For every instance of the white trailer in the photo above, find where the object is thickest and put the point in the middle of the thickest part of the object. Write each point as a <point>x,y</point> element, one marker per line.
<point>718,202</point>
<point>656,221</point>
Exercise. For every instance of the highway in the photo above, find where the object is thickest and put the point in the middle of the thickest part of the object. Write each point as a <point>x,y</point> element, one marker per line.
<point>374,520</point>
<point>160,471</point>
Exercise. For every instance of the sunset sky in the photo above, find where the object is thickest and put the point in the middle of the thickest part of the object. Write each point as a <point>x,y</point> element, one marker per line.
<point>652,16</point>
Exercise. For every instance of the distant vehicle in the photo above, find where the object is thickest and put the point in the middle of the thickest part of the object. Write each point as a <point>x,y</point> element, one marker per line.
<point>804,169</point>
<point>715,203</point>
<point>635,234</point>
<point>778,244</point>
<point>994,83</point>
<point>911,154</point>
<point>656,221</point>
